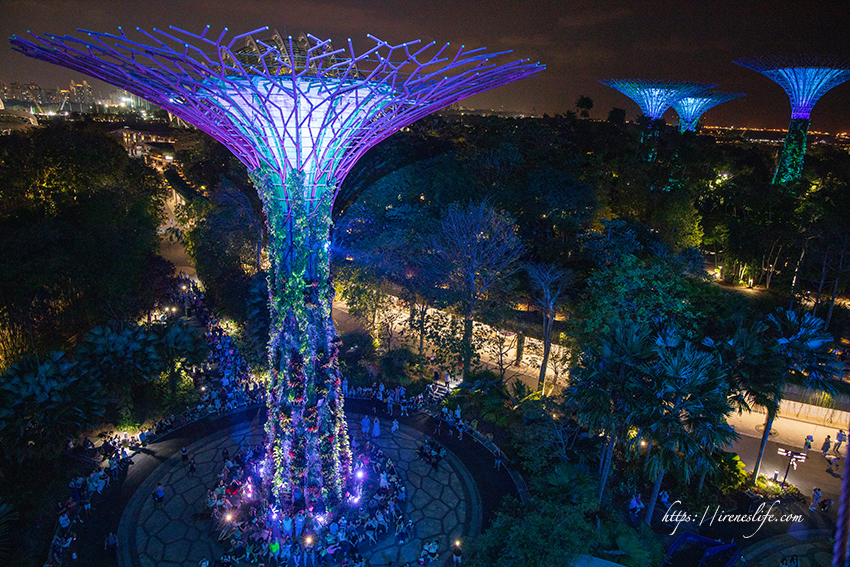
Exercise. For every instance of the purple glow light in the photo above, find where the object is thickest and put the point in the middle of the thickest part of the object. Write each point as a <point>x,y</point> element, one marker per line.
<point>655,97</point>
<point>317,111</point>
<point>804,80</point>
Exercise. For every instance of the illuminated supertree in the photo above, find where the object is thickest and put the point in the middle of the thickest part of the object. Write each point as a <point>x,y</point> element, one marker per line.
<point>655,97</point>
<point>805,80</point>
<point>690,108</point>
<point>298,113</point>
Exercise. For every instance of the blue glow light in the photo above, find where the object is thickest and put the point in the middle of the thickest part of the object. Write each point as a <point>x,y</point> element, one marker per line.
<point>804,81</point>
<point>655,97</point>
<point>691,108</point>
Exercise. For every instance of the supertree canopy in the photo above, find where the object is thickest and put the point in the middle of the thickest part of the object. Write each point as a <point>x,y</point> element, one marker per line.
<point>298,113</point>
<point>655,97</point>
<point>805,80</point>
<point>690,108</point>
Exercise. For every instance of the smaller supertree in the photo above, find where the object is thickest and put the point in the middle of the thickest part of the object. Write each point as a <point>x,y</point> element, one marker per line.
<point>805,80</point>
<point>690,108</point>
<point>655,97</point>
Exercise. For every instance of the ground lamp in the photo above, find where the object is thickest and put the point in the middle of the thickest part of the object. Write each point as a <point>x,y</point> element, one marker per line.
<point>805,80</point>
<point>298,113</point>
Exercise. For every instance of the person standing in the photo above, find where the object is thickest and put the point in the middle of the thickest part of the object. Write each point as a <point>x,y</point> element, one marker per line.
<point>839,439</point>
<point>395,426</point>
<point>827,443</point>
<point>159,494</point>
<point>110,544</point>
<point>807,444</point>
<point>192,467</point>
<point>816,494</point>
<point>498,455</point>
<point>376,429</point>
<point>365,425</point>
<point>456,554</point>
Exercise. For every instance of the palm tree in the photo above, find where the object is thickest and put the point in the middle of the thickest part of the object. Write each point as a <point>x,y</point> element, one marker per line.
<point>681,404</point>
<point>600,391</point>
<point>803,349</point>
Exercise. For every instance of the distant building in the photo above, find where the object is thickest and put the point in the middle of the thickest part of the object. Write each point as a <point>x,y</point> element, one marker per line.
<point>157,149</point>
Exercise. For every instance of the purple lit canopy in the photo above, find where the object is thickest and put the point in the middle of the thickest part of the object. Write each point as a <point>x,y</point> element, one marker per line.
<point>298,113</point>
<point>655,97</point>
<point>690,108</point>
<point>805,80</point>
<point>288,104</point>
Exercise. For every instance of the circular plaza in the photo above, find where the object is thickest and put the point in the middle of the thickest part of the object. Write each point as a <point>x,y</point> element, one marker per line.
<point>443,502</point>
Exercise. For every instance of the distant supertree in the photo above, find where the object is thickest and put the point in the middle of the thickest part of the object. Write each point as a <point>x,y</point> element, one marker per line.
<point>655,97</point>
<point>298,113</point>
<point>805,80</point>
<point>690,108</point>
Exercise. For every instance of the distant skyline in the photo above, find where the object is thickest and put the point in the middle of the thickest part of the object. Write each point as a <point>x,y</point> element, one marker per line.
<point>580,41</point>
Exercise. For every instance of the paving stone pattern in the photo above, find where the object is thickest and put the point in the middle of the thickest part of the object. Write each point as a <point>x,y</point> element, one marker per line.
<point>813,548</point>
<point>443,504</point>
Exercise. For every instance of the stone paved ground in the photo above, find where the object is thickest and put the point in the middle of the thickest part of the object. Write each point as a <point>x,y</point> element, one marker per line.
<point>813,548</point>
<point>444,504</point>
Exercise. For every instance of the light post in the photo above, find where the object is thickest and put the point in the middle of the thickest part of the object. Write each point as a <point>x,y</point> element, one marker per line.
<point>793,459</point>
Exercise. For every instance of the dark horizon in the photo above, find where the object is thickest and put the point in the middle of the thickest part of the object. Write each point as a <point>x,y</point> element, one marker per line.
<point>580,42</point>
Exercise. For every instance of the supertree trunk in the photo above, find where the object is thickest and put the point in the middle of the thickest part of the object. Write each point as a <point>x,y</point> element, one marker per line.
<point>790,166</point>
<point>298,114</point>
<point>307,438</point>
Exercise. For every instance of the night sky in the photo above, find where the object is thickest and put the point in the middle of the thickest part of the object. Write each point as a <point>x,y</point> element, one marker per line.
<point>579,41</point>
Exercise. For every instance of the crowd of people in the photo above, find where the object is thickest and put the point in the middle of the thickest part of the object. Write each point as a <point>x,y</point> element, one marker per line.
<point>251,531</point>
<point>245,527</point>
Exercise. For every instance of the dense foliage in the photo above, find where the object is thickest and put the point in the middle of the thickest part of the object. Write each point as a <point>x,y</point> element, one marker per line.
<point>78,239</point>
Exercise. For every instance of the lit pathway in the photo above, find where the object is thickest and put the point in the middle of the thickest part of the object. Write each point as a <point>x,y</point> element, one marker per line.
<point>444,504</point>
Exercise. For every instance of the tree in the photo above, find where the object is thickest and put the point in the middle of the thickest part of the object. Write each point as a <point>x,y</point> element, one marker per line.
<point>541,532</point>
<point>78,237</point>
<point>42,404</point>
<point>617,116</point>
<point>179,346</point>
<point>803,347</point>
<point>602,386</point>
<point>475,250</point>
<point>584,105</point>
<point>681,403</point>
<point>549,284</point>
<point>120,356</point>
